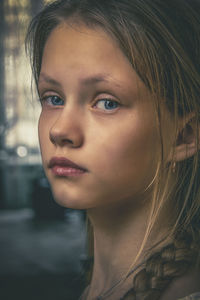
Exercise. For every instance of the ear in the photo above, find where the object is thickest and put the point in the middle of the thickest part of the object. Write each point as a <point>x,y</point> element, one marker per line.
<point>186,142</point>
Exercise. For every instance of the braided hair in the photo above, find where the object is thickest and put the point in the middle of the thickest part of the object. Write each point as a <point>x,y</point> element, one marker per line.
<point>162,267</point>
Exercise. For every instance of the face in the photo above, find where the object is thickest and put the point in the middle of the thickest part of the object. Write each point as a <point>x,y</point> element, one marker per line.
<point>97,130</point>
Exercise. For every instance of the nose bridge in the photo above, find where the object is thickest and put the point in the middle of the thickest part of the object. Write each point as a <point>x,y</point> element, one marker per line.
<point>67,128</point>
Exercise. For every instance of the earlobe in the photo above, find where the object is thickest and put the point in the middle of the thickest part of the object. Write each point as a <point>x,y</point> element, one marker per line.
<point>185,151</point>
<point>186,142</point>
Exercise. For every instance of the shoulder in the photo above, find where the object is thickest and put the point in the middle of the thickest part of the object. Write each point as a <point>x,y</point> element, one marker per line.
<point>186,287</point>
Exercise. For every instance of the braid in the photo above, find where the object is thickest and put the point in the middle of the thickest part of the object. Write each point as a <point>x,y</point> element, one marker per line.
<point>162,267</point>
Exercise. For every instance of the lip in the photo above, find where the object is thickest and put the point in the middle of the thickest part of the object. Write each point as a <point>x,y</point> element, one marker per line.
<point>64,167</point>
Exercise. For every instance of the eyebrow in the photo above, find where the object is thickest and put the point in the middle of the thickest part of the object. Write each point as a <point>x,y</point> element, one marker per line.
<point>48,79</point>
<point>85,81</point>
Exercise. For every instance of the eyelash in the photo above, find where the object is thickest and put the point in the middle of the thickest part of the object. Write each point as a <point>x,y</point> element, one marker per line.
<point>49,99</point>
<point>106,101</point>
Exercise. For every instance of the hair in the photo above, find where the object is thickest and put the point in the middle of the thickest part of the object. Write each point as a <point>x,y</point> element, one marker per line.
<point>161,39</point>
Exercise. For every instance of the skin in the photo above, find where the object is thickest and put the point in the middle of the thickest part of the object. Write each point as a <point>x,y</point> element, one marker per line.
<point>86,133</point>
<point>118,147</point>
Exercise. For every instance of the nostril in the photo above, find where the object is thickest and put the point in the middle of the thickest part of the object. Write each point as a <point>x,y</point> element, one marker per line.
<point>67,141</point>
<point>74,140</point>
<point>52,138</point>
<point>60,140</point>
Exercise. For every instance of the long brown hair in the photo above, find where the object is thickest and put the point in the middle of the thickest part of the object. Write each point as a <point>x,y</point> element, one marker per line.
<point>161,39</point>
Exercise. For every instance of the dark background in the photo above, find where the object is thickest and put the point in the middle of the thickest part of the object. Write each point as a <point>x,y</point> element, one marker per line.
<point>42,245</point>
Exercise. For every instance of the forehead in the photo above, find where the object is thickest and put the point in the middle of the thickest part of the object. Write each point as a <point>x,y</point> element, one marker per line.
<point>80,45</point>
<point>80,39</point>
<point>86,53</point>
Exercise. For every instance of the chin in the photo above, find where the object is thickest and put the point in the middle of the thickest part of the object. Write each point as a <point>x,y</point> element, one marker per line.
<point>68,201</point>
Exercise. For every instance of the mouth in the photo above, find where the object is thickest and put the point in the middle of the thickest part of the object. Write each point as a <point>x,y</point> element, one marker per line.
<point>63,167</point>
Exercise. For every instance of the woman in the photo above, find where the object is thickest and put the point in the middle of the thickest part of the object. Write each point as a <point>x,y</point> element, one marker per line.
<point>119,85</point>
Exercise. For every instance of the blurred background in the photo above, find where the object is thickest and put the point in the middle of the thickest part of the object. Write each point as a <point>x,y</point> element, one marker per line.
<point>42,245</point>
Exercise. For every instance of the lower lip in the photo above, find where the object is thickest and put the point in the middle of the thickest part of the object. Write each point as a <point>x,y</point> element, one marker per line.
<point>67,171</point>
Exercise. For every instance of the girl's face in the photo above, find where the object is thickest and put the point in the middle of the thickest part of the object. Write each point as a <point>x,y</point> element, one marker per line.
<point>97,130</point>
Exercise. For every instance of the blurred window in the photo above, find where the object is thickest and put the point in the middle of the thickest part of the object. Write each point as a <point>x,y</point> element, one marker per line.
<point>20,101</point>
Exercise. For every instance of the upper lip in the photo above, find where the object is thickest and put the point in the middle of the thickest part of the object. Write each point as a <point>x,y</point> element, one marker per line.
<point>63,162</point>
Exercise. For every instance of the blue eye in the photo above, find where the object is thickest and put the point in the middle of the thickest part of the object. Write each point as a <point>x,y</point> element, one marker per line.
<point>53,100</point>
<point>107,104</point>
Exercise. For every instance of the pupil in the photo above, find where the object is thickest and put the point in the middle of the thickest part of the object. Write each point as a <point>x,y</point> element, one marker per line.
<point>55,100</point>
<point>109,104</point>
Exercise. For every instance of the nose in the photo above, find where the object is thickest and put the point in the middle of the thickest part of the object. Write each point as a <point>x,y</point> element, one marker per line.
<point>67,130</point>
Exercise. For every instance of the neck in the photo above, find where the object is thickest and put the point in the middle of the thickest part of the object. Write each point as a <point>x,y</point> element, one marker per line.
<point>118,236</point>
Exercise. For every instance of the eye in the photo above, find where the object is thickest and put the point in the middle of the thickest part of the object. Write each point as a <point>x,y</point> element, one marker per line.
<point>106,104</point>
<point>52,100</point>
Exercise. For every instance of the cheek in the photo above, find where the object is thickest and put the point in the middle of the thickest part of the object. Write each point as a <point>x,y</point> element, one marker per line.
<point>129,155</point>
<point>131,145</point>
<point>43,133</point>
